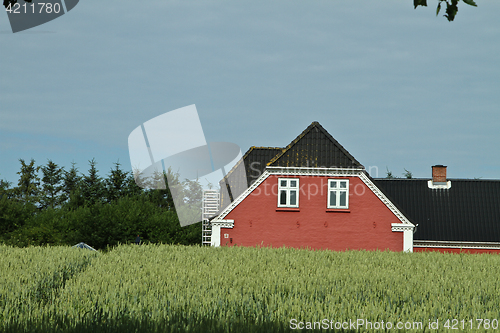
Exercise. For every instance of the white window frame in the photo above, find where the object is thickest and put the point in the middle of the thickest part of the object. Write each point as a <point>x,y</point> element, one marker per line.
<point>288,188</point>
<point>338,190</point>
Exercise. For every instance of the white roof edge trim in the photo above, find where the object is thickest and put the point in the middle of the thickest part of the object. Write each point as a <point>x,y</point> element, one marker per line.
<point>385,200</point>
<point>246,193</point>
<point>302,171</point>
<point>223,223</point>
<point>315,172</point>
<point>309,171</point>
<point>402,226</point>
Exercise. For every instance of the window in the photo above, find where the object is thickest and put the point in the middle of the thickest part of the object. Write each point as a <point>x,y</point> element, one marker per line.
<point>338,193</point>
<point>288,192</point>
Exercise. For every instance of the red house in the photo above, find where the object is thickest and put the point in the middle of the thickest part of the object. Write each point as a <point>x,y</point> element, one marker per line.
<point>314,194</point>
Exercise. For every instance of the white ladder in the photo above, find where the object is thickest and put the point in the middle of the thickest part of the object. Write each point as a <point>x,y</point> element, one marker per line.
<point>210,207</point>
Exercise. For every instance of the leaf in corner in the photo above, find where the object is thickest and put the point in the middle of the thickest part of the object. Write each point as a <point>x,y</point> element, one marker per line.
<point>438,9</point>
<point>451,10</point>
<point>470,2</point>
<point>417,3</point>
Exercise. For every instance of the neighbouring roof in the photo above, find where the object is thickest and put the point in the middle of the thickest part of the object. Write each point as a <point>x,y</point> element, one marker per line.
<point>316,148</point>
<point>254,162</point>
<point>256,159</point>
<point>469,211</point>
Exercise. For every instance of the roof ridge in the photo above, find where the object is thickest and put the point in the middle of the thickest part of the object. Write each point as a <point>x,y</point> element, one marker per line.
<point>317,125</point>
<point>291,144</point>
<point>255,147</point>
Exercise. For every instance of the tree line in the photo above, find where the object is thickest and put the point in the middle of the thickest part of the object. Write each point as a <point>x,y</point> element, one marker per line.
<point>55,206</point>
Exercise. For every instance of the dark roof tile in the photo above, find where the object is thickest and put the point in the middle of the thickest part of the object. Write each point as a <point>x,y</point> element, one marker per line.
<point>315,147</point>
<point>254,162</point>
<point>469,211</point>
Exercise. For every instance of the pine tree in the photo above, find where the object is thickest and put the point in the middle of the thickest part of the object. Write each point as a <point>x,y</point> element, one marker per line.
<point>131,188</point>
<point>27,190</point>
<point>116,183</point>
<point>52,194</point>
<point>92,186</point>
<point>71,180</point>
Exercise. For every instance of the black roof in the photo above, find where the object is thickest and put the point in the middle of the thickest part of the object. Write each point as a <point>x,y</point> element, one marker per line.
<point>315,147</point>
<point>254,161</point>
<point>469,211</point>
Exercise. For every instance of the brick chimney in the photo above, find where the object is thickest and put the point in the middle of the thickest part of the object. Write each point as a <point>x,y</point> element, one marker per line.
<point>439,174</point>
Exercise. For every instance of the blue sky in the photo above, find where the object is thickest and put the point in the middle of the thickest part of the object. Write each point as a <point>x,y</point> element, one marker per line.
<point>397,87</point>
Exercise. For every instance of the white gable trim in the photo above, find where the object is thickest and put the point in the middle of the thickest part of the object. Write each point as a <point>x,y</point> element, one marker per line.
<point>326,172</point>
<point>315,172</point>
<point>222,223</point>
<point>384,199</point>
<point>239,199</point>
<point>405,226</point>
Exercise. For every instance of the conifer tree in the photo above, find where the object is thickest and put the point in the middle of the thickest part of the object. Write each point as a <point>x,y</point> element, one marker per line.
<point>71,180</point>
<point>92,186</point>
<point>72,188</point>
<point>116,183</point>
<point>52,194</point>
<point>28,187</point>
<point>131,187</point>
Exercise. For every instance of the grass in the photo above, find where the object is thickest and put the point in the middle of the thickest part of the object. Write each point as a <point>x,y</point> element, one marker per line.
<point>166,288</point>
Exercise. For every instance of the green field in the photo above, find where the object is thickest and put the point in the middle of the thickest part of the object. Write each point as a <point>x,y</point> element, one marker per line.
<point>165,288</point>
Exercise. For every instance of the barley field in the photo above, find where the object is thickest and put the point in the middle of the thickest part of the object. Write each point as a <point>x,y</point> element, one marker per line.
<point>167,288</point>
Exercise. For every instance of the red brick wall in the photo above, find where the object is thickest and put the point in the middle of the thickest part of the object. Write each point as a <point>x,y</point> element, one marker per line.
<point>366,225</point>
